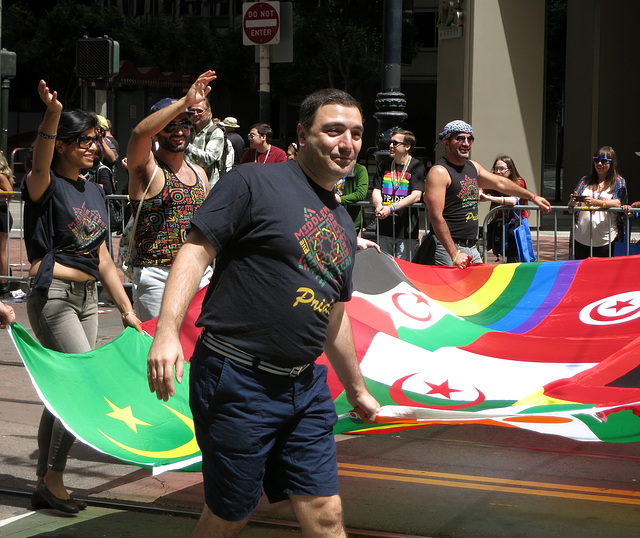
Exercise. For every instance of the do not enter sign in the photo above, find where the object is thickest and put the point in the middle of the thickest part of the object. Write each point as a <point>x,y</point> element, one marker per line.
<point>261,23</point>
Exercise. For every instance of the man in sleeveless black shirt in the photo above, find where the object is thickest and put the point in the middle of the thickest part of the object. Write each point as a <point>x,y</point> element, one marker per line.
<point>262,410</point>
<point>452,192</point>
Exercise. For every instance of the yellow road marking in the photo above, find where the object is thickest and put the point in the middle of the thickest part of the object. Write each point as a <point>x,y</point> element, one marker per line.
<point>487,483</point>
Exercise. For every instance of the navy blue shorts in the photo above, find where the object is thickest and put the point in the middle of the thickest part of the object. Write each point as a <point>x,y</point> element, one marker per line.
<point>260,430</point>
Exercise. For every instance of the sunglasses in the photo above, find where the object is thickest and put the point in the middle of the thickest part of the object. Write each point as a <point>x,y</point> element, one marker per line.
<point>252,135</point>
<point>395,143</point>
<point>500,169</point>
<point>463,138</point>
<point>182,126</point>
<point>85,142</point>
<point>196,110</point>
<point>601,160</point>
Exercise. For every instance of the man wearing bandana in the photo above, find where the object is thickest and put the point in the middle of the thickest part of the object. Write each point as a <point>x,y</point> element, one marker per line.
<point>452,191</point>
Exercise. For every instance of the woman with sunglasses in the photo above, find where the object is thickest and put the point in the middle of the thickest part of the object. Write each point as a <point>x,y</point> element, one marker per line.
<point>504,166</point>
<point>603,187</point>
<point>65,220</point>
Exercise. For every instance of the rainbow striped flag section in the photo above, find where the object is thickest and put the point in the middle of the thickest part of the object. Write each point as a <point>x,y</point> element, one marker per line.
<point>550,347</point>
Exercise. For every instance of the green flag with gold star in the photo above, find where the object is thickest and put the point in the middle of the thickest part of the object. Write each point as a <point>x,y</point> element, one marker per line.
<point>102,398</point>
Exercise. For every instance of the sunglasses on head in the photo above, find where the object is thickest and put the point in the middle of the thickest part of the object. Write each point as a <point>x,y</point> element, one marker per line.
<point>85,142</point>
<point>182,126</point>
<point>601,160</point>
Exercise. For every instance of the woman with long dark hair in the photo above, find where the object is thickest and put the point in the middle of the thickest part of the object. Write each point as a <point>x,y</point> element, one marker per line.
<point>503,165</point>
<point>65,222</point>
<point>603,187</point>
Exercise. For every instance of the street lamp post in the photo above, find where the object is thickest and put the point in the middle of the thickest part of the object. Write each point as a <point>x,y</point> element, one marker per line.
<point>390,102</point>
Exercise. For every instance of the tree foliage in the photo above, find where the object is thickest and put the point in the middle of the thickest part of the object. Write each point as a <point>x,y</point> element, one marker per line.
<point>336,44</point>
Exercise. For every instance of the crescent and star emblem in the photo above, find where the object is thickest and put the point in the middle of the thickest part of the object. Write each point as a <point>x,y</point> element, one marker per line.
<point>399,397</point>
<point>612,310</point>
<point>420,300</point>
<point>188,449</point>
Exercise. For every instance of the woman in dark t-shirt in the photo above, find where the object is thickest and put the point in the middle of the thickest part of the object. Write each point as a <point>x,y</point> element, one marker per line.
<point>65,229</point>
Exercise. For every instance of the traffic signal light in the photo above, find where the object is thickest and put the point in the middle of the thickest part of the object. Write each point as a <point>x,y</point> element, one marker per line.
<point>97,57</point>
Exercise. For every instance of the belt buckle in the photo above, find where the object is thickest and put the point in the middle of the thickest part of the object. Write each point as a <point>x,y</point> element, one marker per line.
<point>297,370</point>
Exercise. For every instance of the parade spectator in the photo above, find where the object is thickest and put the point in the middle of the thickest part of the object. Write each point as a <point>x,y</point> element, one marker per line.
<point>6,220</point>
<point>230,125</point>
<point>292,151</point>
<point>353,188</point>
<point>65,227</point>
<point>171,189</point>
<point>262,410</point>
<point>397,186</point>
<point>108,144</point>
<point>260,148</point>
<point>503,165</point>
<point>452,194</point>
<point>603,187</point>
<point>209,148</point>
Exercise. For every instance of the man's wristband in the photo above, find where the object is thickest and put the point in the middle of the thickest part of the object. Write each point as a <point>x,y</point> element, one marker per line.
<point>456,258</point>
<point>532,198</point>
<point>393,208</point>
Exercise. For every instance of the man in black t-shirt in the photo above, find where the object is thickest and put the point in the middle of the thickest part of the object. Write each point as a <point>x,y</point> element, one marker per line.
<point>452,192</point>
<point>262,410</point>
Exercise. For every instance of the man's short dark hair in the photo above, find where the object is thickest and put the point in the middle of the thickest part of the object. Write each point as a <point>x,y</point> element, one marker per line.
<point>314,101</point>
<point>264,129</point>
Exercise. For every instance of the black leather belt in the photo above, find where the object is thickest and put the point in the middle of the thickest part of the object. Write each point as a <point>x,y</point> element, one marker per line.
<point>468,243</point>
<point>240,356</point>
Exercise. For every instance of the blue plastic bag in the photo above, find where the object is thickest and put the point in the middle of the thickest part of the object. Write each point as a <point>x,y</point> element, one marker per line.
<point>524,242</point>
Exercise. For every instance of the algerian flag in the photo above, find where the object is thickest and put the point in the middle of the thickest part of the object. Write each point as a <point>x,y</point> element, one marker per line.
<point>102,397</point>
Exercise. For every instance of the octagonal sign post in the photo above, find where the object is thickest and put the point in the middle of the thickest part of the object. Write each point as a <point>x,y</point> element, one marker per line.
<point>261,23</point>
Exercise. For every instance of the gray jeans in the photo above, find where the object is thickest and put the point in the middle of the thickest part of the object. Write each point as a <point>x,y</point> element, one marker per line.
<point>403,249</point>
<point>67,321</point>
<point>442,256</point>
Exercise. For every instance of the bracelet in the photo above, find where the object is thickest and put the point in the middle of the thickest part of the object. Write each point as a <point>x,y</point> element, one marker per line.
<point>604,204</point>
<point>125,314</point>
<point>393,208</point>
<point>456,258</point>
<point>502,200</point>
<point>47,136</point>
<point>532,198</point>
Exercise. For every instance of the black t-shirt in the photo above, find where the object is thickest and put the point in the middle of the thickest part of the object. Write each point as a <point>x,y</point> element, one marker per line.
<point>392,191</point>
<point>67,227</point>
<point>285,252</point>
<point>461,200</point>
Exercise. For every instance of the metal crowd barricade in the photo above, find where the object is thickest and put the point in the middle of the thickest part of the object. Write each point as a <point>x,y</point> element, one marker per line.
<point>16,254</point>
<point>556,211</point>
<point>19,271</point>
<point>367,214</point>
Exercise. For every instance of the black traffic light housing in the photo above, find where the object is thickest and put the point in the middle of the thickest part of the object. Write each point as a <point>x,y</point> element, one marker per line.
<point>97,58</point>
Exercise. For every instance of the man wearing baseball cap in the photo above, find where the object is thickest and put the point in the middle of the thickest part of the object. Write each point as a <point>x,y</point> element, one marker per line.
<point>165,192</point>
<point>452,193</point>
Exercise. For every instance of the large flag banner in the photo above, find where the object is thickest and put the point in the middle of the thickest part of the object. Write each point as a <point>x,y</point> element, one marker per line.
<point>551,347</point>
<point>101,398</point>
